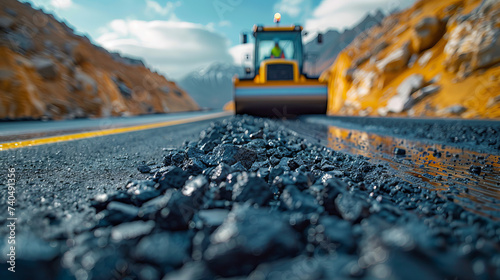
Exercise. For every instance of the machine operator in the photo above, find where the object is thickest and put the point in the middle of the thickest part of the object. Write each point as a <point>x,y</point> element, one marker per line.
<point>277,52</point>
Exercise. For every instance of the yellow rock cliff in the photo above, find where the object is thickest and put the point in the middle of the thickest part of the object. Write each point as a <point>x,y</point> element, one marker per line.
<point>435,59</point>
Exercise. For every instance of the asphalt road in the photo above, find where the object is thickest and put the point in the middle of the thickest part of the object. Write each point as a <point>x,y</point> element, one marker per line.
<point>66,175</point>
<point>438,153</point>
<point>56,182</point>
<point>478,135</point>
<point>12,131</point>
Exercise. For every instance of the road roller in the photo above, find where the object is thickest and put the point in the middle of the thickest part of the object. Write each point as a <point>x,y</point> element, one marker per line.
<point>277,86</point>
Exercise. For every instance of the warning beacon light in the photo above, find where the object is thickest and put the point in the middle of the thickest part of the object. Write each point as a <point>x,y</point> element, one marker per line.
<point>277,18</point>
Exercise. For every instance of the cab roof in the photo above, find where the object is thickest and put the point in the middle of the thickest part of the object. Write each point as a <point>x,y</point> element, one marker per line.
<point>260,28</point>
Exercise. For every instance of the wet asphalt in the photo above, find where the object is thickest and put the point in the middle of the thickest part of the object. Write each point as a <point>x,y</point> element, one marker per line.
<point>478,135</point>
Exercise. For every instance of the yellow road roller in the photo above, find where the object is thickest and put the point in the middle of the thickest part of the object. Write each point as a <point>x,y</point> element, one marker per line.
<point>277,85</point>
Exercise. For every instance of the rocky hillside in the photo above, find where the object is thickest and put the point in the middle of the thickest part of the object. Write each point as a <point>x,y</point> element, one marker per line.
<point>46,71</point>
<point>438,58</point>
<point>320,57</point>
<point>212,86</point>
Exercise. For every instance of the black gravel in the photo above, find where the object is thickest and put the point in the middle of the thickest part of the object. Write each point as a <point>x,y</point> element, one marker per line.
<point>250,199</point>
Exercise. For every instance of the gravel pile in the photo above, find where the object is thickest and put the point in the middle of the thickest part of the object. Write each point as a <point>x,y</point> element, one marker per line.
<point>253,200</point>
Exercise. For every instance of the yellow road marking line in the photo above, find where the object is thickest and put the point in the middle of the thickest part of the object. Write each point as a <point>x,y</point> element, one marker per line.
<point>90,134</point>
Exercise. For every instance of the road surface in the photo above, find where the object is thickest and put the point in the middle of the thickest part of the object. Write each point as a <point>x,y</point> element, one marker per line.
<point>380,161</point>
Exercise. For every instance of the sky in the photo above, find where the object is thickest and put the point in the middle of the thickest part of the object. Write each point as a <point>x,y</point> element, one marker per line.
<point>180,36</point>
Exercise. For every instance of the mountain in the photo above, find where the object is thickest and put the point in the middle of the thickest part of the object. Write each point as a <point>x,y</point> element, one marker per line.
<point>49,72</point>
<point>435,59</point>
<point>322,56</point>
<point>211,86</point>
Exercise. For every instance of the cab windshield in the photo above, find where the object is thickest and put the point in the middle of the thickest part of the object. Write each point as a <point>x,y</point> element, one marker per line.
<point>289,42</point>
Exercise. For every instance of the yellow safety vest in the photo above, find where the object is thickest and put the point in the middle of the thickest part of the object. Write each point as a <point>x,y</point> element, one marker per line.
<point>276,52</point>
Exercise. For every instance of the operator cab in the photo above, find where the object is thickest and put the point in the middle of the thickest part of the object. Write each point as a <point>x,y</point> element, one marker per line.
<point>290,43</point>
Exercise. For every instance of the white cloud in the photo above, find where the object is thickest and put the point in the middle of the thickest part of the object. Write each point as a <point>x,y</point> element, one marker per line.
<point>210,26</point>
<point>331,14</point>
<point>61,4</point>
<point>157,8</point>
<point>290,7</point>
<point>224,23</point>
<point>240,52</point>
<point>119,26</point>
<point>173,47</point>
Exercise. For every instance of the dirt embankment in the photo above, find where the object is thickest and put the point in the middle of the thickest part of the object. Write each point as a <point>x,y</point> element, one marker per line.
<point>436,59</point>
<point>47,71</point>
